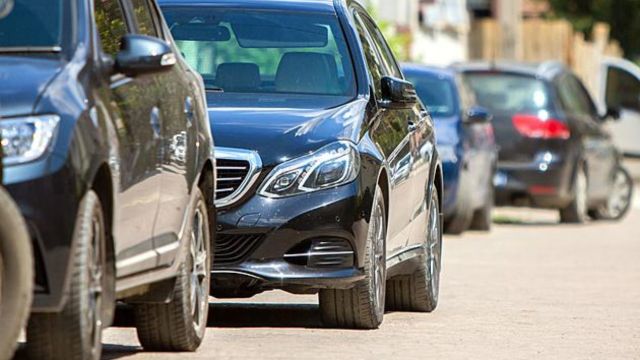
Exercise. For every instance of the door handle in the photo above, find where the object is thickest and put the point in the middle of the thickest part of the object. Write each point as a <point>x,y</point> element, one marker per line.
<point>155,122</point>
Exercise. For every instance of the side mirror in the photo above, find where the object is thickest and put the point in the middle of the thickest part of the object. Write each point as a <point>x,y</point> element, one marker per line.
<point>611,113</point>
<point>398,93</point>
<point>140,54</point>
<point>478,115</point>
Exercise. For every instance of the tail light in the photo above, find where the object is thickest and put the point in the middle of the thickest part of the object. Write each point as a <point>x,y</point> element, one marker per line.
<point>534,126</point>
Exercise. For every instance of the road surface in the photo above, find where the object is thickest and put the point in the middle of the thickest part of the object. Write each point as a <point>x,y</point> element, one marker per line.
<point>529,289</point>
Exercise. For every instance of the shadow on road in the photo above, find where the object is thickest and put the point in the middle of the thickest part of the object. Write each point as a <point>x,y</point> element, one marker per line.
<point>238,315</point>
<point>264,315</point>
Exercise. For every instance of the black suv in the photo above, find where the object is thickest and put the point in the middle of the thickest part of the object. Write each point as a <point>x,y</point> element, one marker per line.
<point>328,176</point>
<point>554,149</point>
<point>108,153</point>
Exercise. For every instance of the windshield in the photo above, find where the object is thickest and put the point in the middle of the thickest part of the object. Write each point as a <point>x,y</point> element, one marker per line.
<point>242,51</point>
<point>35,24</point>
<point>436,93</point>
<point>509,93</point>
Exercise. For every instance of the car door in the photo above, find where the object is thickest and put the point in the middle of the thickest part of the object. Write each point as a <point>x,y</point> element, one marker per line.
<point>622,93</point>
<point>134,117</point>
<point>175,106</point>
<point>599,152</point>
<point>395,133</point>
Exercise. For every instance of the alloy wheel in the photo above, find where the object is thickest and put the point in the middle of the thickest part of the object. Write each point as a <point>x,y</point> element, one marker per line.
<point>198,270</point>
<point>96,283</point>
<point>434,248</point>
<point>379,263</point>
<point>620,197</point>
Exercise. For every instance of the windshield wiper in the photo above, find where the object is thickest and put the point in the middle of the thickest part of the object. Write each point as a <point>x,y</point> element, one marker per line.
<point>214,89</point>
<point>31,49</point>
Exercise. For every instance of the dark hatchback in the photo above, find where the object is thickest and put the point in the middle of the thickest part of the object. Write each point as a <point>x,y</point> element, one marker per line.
<point>328,176</point>
<point>554,151</point>
<point>466,145</point>
<point>108,153</point>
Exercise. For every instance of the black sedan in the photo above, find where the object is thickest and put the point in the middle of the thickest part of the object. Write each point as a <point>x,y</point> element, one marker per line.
<point>554,152</point>
<point>328,177</point>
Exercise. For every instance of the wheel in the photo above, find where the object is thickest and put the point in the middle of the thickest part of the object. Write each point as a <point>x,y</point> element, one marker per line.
<point>16,275</point>
<point>576,211</point>
<point>362,307</point>
<point>620,198</point>
<point>420,290</point>
<point>460,221</point>
<point>76,331</point>
<point>482,219</point>
<point>180,325</point>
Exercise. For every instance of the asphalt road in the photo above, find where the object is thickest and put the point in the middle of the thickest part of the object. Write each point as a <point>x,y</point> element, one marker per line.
<point>530,289</point>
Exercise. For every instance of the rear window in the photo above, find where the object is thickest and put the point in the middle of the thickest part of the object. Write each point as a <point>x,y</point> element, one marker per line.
<point>437,93</point>
<point>509,93</point>
<point>265,52</point>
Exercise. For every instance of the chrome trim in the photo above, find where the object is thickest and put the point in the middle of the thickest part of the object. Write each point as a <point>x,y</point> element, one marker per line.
<point>255,167</point>
<point>319,253</point>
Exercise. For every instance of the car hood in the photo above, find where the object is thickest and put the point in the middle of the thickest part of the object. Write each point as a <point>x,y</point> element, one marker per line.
<point>279,134</point>
<point>23,81</point>
<point>449,130</point>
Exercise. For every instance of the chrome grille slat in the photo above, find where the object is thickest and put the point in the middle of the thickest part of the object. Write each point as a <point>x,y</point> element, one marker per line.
<point>236,171</point>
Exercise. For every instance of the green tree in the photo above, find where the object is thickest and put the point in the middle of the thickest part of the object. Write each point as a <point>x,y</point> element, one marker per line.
<point>621,15</point>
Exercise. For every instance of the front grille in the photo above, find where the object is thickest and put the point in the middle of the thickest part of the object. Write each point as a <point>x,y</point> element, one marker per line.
<point>230,176</point>
<point>234,248</point>
<point>236,172</point>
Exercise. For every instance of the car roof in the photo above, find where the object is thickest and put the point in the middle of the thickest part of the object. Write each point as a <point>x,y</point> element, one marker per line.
<point>429,70</point>
<point>326,6</point>
<point>547,70</point>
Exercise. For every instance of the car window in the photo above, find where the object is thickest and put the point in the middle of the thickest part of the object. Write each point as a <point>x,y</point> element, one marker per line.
<point>623,89</point>
<point>574,97</point>
<point>506,93</point>
<point>385,53</point>
<point>111,24</point>
<point>264,52</point>
<point>33,23</point>
<point>144,19</point>
<point>374,64</point>
<point>437,93</point>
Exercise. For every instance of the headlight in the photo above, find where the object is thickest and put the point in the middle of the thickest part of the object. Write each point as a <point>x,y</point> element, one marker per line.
<point>27,138</point>
<point>333,165</point>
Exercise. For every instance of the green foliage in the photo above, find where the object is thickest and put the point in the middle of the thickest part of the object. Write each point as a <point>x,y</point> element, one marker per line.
<point>398,42</point>
<point>621,15</point>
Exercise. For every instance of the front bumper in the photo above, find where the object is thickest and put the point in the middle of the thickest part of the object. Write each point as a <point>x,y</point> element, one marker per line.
<point>266,244</point>
<point>542,183</point>
<point>49,203</point>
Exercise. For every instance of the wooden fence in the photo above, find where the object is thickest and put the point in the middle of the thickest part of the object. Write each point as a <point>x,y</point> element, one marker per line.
<point>548,40</point>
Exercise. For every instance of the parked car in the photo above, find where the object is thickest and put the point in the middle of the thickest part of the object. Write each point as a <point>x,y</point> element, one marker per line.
<point>466,145</point>
<point>328,177</point>
<point>620,94</point>
<point>16,272</point>
<point>554,151</point>
<point>93,95</point>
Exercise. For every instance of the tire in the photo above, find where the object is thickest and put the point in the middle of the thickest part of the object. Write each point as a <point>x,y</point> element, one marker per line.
<point>482,218</point>
<point>180,324</point>
<point>620,199</point>
<point>362,307</point>
<point>16,275</point>
<point>420,290</point>
<point>76,332</point>
<point>576,211</point>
